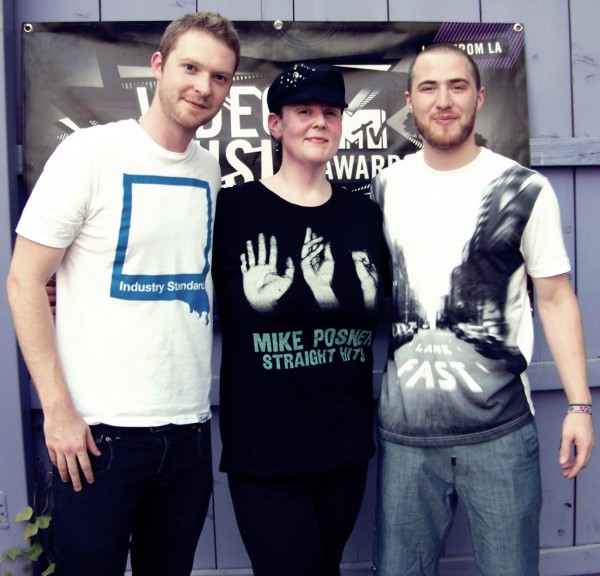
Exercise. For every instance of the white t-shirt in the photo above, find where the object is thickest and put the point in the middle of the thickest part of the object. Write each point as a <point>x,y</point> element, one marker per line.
<point>134,290</point>
<point>462,244</point>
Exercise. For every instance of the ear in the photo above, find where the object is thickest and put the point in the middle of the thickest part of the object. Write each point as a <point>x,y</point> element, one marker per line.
<point>408,100</point>
<point>156,63</point>
<point>480,98</point>
<point>274,124</point>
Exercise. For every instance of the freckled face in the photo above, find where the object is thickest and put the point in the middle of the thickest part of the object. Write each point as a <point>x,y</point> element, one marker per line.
<point>194,80</point>
<point>309,132</point>
<point>444,100</point>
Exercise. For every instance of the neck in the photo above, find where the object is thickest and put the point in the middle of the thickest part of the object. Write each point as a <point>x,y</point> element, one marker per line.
<point>450,159</point>
<point>303,187</point>
<point>166,134</point>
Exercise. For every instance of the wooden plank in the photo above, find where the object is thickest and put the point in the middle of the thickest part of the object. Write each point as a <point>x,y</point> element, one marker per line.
<point>277,9</point>
<point>557,520</point>
<point>588,241</point>
<point>587,504</point>
<point>135,10</point>
<point>547,50</point>
<point>434,11</point>
<point>565,151</point>
<point>346,11</point>
<point>63,11</point>
<point>234,9</point>
<point>585,55</point>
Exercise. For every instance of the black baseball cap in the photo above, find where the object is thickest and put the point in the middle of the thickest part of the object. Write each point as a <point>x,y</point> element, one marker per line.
<point>307,83</point>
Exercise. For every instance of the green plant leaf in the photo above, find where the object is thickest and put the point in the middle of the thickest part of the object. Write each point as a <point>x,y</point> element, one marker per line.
<point>35,551</point>
<point>25,514</point>
<point>44,521</point>
<point>49,570</point>
<point>13,553</point>
<point>31,530</point>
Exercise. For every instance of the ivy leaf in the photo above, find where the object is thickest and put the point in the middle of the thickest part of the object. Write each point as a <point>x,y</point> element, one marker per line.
<point>13,553</point>
<point>49,570</point>
<point>25,514</point>
<point>35,551</point>
<point>31,530</point>
<point>43,521</point>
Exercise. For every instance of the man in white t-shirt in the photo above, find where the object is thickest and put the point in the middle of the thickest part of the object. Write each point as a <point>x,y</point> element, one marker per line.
<point>466,228</point>
<point>122,214</point>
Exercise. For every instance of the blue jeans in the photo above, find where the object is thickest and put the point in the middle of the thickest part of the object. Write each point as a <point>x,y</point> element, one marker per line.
<point>298,526</point>
<point>498,484</point>
<point>150,497</point>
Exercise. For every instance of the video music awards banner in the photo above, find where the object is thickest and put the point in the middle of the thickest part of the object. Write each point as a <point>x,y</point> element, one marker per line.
<point>81,74</point>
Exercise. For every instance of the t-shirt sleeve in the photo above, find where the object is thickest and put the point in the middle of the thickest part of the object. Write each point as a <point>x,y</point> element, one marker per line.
<point>55,211</point>
<point>543,245</point>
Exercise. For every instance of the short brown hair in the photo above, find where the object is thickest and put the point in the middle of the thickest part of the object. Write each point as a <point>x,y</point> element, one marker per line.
<point>444,48</point>
<point>211,22</point>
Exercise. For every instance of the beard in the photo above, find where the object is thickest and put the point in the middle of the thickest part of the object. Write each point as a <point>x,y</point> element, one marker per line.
<point>446,139</point>
<point>175,110</point>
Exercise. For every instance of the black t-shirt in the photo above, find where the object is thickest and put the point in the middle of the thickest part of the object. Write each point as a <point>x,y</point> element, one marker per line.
<point>299,291</point>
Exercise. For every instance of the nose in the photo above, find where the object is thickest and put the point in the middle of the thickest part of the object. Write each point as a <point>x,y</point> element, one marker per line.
<point>444,97</point>
<point>202,84</point>
<point>319,118</point>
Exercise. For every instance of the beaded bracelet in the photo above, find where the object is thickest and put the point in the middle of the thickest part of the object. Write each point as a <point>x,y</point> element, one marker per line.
<point>579,409</point>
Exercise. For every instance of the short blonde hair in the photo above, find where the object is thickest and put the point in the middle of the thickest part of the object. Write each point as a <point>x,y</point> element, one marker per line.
<point>211,22</point>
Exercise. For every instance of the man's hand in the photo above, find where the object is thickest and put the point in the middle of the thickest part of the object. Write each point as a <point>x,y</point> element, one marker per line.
<point>577,433</point>
<point>69,441</point>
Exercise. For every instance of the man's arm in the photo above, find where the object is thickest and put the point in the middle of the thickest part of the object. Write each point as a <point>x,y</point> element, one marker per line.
<point>68,437</point>
<point>561,319</point>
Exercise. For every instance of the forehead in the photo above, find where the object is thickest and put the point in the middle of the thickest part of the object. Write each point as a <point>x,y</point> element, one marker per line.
<point>203,47</point>
<point>442,66</point>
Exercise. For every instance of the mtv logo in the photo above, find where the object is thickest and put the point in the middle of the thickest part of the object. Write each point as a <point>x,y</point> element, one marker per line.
<point>364,129</point>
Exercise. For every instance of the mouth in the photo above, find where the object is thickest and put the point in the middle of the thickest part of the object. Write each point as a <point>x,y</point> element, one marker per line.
<point>196,105</point>
<point>445,119</point>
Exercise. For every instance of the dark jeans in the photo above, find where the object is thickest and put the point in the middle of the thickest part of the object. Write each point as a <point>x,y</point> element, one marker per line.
<point>150,497</point>
<point>298,526</point>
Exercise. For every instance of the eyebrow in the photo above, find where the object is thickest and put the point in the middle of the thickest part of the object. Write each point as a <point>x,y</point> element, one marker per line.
<point>448,81</point>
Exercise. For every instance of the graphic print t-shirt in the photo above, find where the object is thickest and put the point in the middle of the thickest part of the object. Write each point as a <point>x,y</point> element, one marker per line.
<point>462,243</point>
<point>298,293</point>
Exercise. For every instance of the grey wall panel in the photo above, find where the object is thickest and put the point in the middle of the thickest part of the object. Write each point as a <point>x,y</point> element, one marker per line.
<point>557,525</point>
<point>116,10</point>
<point>277,9</point>
<point>547,50</point>
<point>336,11</point>
<point>234,9</point>
<point>434,11</point>
<point>587,504</point>
<point>571,509</point>
<point>588,243</point>
<point>585,15</point>
<point>14,459</point>
<point>57,10</point>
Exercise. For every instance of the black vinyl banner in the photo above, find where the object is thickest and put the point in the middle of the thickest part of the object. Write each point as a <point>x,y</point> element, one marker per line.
<point>77,75</point>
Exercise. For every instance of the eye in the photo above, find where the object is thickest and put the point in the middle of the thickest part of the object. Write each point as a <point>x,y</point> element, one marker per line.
<point>189,67</point>
<point>221,78</point>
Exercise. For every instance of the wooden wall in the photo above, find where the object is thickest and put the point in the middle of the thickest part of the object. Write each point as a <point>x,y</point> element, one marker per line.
<point>563,65</point>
